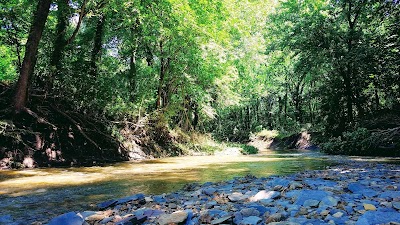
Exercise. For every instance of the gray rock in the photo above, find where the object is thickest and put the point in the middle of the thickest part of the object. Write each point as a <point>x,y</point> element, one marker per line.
<point>376,217</point>
<point>237,196</point>
<point>246,212</point>
<point>276,217</point>
<point>174,218</point>
<point>251,220</point>
<point>70,218</point>
<point>295,185</point>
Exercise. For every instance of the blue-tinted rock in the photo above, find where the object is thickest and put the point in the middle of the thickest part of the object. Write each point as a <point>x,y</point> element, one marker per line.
<point>390,194</point>
<point>311,203</point>
<point>131,220</point>
<point>359,188</point>
<point>70,218</point>
<point>259,208</point>
<point>251,220</point>
<point>329,201</point>
<point>159,199</point>
<point>6,219</point>
<point>106,204</point>
<point>216,212</point>
<point>278,181</point>
<point>189,218</point>
<point>376,217</point>
<point>310,195</point>
<point>237,217</point>
<point>317,182</point>
<point>209,191</point>
<point>130,198</point>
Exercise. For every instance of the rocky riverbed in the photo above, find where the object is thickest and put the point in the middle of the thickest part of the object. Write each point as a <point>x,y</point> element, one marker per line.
<point>358,193</point>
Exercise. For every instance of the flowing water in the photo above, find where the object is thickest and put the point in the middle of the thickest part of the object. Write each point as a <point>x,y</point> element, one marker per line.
<point>40,194</point>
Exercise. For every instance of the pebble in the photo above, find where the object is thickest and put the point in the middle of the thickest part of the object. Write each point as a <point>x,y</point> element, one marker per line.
<point>369,207</point>
<point>351,193</point>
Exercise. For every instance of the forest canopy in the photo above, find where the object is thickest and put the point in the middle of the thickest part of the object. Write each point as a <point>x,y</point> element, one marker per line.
<point>226,67</point>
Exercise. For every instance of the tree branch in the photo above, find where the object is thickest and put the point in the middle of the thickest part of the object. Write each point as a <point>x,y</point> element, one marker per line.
<point>82,14</point>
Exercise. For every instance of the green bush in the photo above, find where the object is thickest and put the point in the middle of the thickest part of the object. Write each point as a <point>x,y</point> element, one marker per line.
<point>357,142</point>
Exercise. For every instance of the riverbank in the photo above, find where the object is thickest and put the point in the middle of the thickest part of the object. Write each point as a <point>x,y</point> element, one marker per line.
<point>351,193</point>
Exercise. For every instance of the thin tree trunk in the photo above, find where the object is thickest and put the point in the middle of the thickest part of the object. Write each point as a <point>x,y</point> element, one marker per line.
<point>29,62</point>
<point>98,39</point>
<point>161,79</point>
<point>59,43</point>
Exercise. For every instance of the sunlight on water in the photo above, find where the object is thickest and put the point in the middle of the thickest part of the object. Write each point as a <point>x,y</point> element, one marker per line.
<point>40,194</point>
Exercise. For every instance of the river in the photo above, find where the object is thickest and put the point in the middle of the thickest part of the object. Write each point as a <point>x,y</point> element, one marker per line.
<point>40,194</point>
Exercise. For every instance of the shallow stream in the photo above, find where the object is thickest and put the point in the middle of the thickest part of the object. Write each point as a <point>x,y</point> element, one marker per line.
<point>40,194</point>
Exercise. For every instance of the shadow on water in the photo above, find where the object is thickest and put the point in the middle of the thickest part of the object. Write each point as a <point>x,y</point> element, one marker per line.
<point>40,194</point>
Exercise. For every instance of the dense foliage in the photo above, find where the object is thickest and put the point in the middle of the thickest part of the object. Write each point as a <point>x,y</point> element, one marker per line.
<point>228,67</point>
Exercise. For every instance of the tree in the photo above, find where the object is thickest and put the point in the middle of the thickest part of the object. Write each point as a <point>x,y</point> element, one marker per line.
<point>29,62</point>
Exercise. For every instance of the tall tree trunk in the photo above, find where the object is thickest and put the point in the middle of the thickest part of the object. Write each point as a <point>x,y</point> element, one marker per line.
<point>29,62</point>
<point>59,43</point>
<point>98,41</point>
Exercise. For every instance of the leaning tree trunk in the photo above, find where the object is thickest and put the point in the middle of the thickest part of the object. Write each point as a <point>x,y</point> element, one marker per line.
<point>29,62</point>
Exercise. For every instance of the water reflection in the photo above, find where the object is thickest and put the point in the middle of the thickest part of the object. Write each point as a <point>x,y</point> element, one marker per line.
<point>40,194</point>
